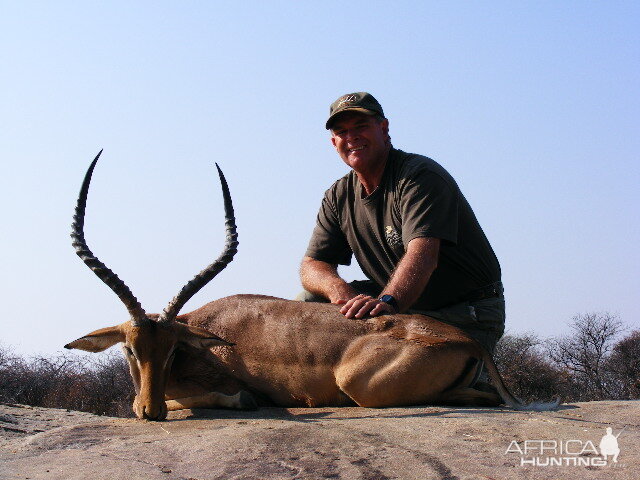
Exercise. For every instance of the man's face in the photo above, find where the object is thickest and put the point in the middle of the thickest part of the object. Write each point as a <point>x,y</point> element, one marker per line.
<point>360,140</point>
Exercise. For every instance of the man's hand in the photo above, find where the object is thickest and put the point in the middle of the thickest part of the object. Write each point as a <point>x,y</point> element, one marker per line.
<point>364,305</point>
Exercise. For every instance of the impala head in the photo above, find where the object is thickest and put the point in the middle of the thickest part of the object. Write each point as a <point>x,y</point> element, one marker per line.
<point>150,342</point>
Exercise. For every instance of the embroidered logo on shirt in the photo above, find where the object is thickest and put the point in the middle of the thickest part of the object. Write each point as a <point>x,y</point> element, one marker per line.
<point>393,238</point>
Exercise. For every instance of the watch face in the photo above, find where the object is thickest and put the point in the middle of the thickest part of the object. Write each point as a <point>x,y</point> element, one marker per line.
<point>390,300</point>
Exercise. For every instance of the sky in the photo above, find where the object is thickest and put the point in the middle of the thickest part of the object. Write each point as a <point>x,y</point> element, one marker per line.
<point>533,107</point>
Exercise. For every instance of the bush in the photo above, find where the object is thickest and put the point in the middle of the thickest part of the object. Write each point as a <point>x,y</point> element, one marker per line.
<point>100,384</point>
<point>589,363</point>
<point>526,371</point>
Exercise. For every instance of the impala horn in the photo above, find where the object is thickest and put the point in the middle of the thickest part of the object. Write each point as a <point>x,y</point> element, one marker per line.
<point>170,313</point>
<point>137,313</point>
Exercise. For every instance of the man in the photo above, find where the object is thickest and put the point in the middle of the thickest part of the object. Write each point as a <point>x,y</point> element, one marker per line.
<point>410,228</point>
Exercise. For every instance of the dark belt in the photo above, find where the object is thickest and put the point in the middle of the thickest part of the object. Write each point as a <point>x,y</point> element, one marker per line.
<point>494,290</point>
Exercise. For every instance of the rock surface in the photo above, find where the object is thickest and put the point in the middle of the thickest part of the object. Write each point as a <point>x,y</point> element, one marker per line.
<point>334,443</point>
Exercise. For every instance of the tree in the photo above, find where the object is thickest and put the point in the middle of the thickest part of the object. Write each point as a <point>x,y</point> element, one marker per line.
<point>585,351</point>
<point>624,366</point>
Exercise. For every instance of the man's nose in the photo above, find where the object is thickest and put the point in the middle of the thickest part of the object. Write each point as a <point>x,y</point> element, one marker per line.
<point>351,134</point>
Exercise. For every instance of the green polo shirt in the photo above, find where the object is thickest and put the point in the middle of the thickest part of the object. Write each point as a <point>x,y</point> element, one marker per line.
<point>416,198</point>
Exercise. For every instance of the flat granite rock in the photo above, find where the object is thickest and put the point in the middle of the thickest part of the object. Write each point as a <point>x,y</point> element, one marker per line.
<point>316,443</point>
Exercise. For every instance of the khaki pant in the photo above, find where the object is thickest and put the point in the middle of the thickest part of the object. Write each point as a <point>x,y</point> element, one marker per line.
<point>482,320</point>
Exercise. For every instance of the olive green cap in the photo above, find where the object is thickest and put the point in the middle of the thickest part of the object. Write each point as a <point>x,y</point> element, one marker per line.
<point>362,102</point>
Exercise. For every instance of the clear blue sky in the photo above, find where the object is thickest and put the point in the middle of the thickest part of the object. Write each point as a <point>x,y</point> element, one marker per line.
<point>532,106</point>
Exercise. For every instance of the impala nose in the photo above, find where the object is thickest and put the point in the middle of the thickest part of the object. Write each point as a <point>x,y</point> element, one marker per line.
<point>154,413</point>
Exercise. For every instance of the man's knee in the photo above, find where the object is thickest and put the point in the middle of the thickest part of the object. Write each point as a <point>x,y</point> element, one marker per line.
<point>365,287</point>
<point>488,339</point>
<point>483,321</point>
<point>306,296</point>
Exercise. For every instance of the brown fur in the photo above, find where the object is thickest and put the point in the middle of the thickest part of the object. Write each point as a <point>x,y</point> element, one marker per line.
<point>294,354</point>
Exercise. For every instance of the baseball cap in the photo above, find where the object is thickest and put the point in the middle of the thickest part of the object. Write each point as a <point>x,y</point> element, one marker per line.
<point>362,102</point>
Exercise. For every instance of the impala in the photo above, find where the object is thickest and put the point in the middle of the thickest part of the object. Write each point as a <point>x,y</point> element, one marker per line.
<point>245,350</point>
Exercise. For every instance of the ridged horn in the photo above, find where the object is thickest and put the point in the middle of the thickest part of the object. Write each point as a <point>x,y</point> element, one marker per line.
<point>138,315</point>
<point>170,313</point>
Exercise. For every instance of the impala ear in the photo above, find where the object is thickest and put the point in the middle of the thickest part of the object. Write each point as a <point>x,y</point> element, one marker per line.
<point>200,338</point>
<point>98,341</point>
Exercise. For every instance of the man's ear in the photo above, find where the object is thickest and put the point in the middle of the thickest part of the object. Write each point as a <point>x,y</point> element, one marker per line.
<point>385,126</point>
<point>199,337</point>
<point>99,340</point>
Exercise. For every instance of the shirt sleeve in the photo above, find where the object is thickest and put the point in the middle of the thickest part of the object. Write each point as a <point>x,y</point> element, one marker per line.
<point>429,208</point>
<point>328,243</point>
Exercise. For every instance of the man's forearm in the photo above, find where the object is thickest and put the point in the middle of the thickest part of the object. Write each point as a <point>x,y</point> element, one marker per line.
<point>406,284</point>
<point>413,272</point>
<point>322,278</point>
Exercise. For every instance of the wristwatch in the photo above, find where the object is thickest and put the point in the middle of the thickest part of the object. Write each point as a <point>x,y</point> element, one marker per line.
<point>391,301</point>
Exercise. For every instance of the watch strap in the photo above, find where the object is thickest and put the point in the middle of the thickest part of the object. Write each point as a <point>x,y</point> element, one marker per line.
<point>388,299</point>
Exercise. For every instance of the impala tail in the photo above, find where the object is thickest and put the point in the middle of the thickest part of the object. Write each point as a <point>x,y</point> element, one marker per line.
<point>510,399</point>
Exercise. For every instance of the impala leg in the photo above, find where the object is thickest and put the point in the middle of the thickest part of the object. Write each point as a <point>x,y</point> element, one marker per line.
<point>384,372</point>
<point>467,396</point>
<point>240,401</point>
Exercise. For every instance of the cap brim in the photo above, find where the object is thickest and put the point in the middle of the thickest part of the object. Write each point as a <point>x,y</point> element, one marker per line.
<point>348,109</point>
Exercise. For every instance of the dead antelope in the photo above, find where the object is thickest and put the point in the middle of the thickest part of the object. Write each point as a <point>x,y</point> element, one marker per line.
<point>239,349</point>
